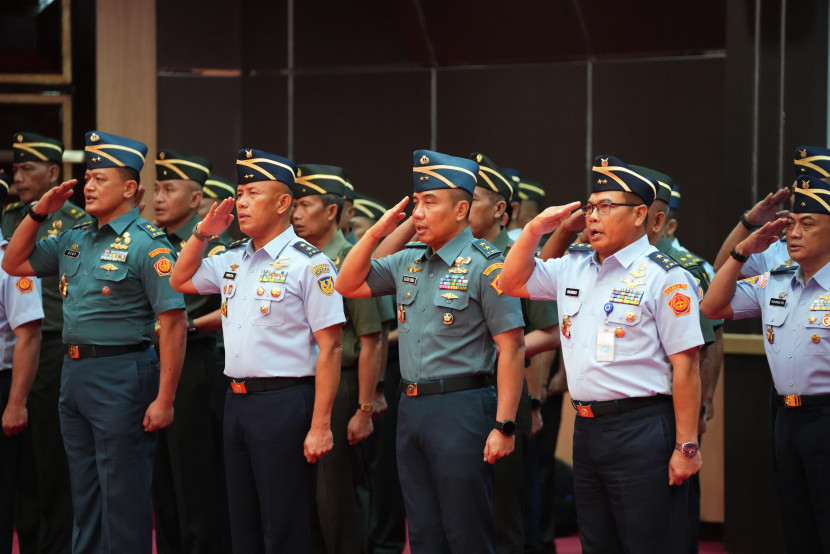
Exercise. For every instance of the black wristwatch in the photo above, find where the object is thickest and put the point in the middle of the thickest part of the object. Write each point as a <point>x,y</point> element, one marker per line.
<point>191,326</point>
<point>380,385</point>
<point>506,427</point>
<point>688,449</point>
<point>745,222</point>
<point>738,256</point>
<point>535,403</point>
<point>34,215</point>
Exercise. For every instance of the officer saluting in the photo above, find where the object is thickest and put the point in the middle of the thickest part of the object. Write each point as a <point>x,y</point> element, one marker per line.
<point>451,316</point>
<point>114,280</point>
<point>281,320</point>
<point>630,334</point>
<point>794,305</point>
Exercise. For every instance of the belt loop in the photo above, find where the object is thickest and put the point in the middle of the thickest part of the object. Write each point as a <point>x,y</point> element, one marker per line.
<point>441,385</point>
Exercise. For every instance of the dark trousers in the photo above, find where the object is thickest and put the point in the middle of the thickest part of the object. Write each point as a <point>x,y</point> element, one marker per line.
<point>341,511</point>
<point>102,406</point>
<point>44,499</point>
<point>189,493</point>
<point>621,479</point>
<point>802,457</point>
<point>270,483</point>
<point>9,448</point>
<point>546,440</point>
<point>447,487</point>
<point>387,516</point>
<point>509,488</point>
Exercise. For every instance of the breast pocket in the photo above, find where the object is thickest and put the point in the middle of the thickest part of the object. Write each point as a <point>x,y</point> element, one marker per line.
<point>774,329</point>
<point>112,278</point>
<point>451,317</point>
<point>819,335</point>
<point>568,310</point>
<point>270,303</point>
<point>405,300</point>
<point>623,320</point>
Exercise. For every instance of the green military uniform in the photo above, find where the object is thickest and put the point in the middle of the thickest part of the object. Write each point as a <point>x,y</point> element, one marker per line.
<point>341,510</point>
<point>44,505</point>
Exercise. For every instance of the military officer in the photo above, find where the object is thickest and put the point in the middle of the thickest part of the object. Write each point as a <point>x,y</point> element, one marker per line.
<point>216,189</point>
<point>281,319</point>
<point>114,392</point>
<point>188,484</point>
<point>493,192</point>
<point>318,206</point>
<point>630,335</point>
<point>21,313</point>
<point>451,316</point>
<point>793,302</point>
<point>44,517</point>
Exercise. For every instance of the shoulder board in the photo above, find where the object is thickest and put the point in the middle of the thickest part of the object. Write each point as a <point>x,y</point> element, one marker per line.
<point>685,260</point>
<point>580,247</point>
<point>15,206</point>
<point>416,244</point>
<point>83,225</point>
<point>151,229</point>
<point>783,269</point>
<point>662,260</point>
<point>305,248</point>
<point>238,243</point>
<point>72,211</point>
<point>486,248</point>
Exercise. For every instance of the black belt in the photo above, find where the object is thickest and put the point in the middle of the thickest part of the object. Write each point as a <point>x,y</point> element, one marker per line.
<point>612,407</point>
<point>262,384</point>
<point>76,351</point>
<point>799,400</point>
<point>440,386</point>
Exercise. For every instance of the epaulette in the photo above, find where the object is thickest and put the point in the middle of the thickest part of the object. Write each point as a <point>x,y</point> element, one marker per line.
<point>15,206</point>
<point>782,269</point>
<point>151,230</point>
<point>662,260</point>
<point>238,243</point>
<point>306,248</point>
<point>486,248</point>
<point>685,261</point>
<point>73,211</point>
<point>580,247</point>
<point>83,225</point>
<point>416,244</point>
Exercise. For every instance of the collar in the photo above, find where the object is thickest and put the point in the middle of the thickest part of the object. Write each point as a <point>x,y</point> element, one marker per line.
<point>663,245</point>
<point>335,245</point>
<point>450,251</point>
<point>119,224</point>
<point>276,245</point>
<point>628,254</point>
<point>502,240</point>
<point>821,277</point>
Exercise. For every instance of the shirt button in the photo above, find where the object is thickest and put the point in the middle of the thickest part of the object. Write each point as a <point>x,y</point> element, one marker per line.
<point>431,275</point>
<point>791,383</point>
<point>423,309</point>
<point>795,327</point>
<point>418,341</point>
<point>84,272</point>
<point>94,244</point>
<point>803,302</point>
<point>236,354</point>
<point>581,377</point>
<point>789,355</point>
<point>77,301</point>
<point>599,283</point>
<point>239,325</point>
<point>244,298</point>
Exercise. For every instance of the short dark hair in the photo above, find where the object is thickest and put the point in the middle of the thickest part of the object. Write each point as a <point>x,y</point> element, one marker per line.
<point>129,174</point>
<point>329,199</point>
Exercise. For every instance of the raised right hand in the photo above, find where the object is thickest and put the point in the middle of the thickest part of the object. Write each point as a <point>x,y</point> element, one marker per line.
<point>388,221</point>
<point>55,197</point>
<point>766,210</point>
<point>551,217</point>
<point>218,218</point>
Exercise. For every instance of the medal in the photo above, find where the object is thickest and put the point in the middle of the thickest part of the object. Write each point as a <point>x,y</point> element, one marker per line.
<point>620,332</point>
<point>447,318</point>
<point>770,335</point>
<point>815,338</point>
<point>401,314</point>
<point>566,327</point>
<point>275,292</point>
<point>106,291</point>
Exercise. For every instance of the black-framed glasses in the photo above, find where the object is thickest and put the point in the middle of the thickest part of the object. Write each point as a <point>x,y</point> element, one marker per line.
<point>603,208</point>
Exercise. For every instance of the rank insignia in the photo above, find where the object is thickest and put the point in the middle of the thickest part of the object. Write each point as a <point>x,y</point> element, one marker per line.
<point>275,292</point>
<point>279,265</point>
<point>486,248</point>
<point>224,308</point>
<point>110,267</point>
<point>770,335</point>
<point>164,267</point>
<point>401,313</point>
<point>413,269</point>
<point>663,261</point>
<point>453,283</point>
<point>565,327</point>
<point>114,255</point>
<point>305,248</point>
<point>24,285</point>
<point>106,291</point>
<point>157,251</point>
<point>63,286</point>
<point>449,296</point>
<point>680,304</point>
<point>626,296</point>
<point>447,318</point>
<point>495,284</point>
<point>265,308</point>
<point>326,284</point>
<point>317,270</point>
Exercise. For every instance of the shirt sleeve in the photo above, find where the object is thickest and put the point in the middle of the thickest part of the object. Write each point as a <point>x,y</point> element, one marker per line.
<point>543,282</point>
<point>155,274</point>
<point>23,300</point>
<point>365,315</point>
<point>501,312</point>
<point>381,278</point>
<point>207,278</point>
<point>677,312</point>
<point>323,309</point>
<point>746,302</point>
<point>541,314</point>
<point>45,259</point>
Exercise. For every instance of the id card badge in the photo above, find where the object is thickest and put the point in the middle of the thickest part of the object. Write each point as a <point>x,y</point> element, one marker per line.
<point>605,345</point>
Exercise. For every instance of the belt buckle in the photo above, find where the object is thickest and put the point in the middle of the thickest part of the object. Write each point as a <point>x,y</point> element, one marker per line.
<point>412,389</point>
<point>584,411</point>
<point>73,352</point>
<point>238,387</point>
<point>792,400</point>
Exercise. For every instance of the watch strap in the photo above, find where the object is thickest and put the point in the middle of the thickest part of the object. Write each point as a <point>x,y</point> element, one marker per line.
<point>40,218</point>
<point>738,256</point>
<point>745,222</point>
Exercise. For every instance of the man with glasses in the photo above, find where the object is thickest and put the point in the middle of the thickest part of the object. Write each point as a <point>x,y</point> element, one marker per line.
<point>630,335</point>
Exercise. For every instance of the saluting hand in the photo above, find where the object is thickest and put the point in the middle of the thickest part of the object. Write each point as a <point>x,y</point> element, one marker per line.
<point>218,218</point>
<point>317,444</point>
<point>388,221</point>
<point>498,446</point>
<point>761,239</point>
<point>767,209</point>
<point>551,217</point>
<point>55,197</point>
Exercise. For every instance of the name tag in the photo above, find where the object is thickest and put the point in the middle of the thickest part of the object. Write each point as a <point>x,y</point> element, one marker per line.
<point>605,345</point>
<point>777,302</point>
<point>229,275</point>
<point>571,292</point>
<point>72,253</point>
<point>409,279</point>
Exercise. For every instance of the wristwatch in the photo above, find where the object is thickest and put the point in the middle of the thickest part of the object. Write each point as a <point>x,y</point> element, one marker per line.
<point>365,407</point>
<point>740,257</point>
<point>506,427</point>
<point>197,234</point>
<point>535,403</point>
<point>745,222</point>
<point>688,449</point>
<point>191,326</point>
<point>34,215</point>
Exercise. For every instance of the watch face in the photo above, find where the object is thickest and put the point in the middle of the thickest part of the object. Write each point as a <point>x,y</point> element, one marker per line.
<point>689,449</point>
<point>508,427</point>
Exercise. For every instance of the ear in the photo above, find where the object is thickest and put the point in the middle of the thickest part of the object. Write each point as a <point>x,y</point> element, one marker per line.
<point>501,207</point>
<point>53,171</point>
<point>462,209</point>
<point>284,203</point>
<point>659,220</point>
<point>195,199</point>
<point>671,227</point>
<point>331,212</point>
<point>130,188</point>
<point>640,213</point>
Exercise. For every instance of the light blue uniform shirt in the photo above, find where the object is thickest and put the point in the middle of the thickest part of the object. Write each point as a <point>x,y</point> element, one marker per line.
<point>793,316</point>
<point>20,303</point>
<point>662,319</point>
<point>273,300</point>
<point>760,263</point>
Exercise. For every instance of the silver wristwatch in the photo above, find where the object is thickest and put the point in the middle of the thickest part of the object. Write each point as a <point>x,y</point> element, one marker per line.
<point>688,449</point>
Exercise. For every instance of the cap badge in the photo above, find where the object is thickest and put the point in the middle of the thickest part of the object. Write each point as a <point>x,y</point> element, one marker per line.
<point>96,159</point>
<point>94,137</point>
<point>478,158</point>
<point>162,155</point>
<point>804,153</point>
<point>299,172</point>
<point>604,162</point>
<point>424,160</point>
<point>249,154</point>
<point>249,176</point>
<point>805,184</point>
<point>19,138</point>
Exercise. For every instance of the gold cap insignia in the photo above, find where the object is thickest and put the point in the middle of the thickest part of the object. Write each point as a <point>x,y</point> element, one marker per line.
<point>249,176</point>
<point>478,158</point>
<point>804,153</point>
<point>249,154</point>
<point>424,160</point>
<point>19,138</point>
<point>604,162</point>
<point>96,159</point>
<point>94,137</point>
<point>299,172</point>
<point>162,155</point>
<point>805,184</point>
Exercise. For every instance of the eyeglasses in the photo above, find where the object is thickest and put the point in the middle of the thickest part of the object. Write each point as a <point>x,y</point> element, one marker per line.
<point>603,208</point>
